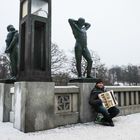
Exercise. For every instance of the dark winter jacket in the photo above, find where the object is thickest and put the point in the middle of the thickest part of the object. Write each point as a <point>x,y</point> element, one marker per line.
<point>94,100</point>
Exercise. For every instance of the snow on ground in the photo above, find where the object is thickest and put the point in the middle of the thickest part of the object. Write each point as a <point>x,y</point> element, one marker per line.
<point>126,128</point>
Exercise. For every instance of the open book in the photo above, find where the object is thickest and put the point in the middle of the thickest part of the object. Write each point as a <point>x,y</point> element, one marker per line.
<point>108,99</point>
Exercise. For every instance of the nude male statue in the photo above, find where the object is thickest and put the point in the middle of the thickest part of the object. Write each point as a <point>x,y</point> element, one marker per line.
<point>79,28</point>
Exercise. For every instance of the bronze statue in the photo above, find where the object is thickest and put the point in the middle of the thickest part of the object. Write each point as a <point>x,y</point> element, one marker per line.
<point>79,28</point>
<point>12,49</point>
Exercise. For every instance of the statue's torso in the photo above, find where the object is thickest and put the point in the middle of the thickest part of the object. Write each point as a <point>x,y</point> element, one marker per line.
<point>81,37</point>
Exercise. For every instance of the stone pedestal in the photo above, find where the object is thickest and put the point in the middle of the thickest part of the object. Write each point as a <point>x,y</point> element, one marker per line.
<point>34,106</point>
<point>86,113</point>
<point>5,101</point>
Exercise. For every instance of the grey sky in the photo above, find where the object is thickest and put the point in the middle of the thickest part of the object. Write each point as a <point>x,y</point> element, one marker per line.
<point>114,32</point>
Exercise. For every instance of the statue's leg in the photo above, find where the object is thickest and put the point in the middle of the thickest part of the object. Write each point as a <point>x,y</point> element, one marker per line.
<point>13,58</point>
<point>12,65</point>
<point>78,56</point>
<point>87,56</point>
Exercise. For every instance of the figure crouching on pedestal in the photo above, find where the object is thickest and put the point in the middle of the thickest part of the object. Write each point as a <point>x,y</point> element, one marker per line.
<point>12,49</point>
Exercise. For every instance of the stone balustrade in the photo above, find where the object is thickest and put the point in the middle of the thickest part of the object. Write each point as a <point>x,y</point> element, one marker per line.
<point>128,98</point>
<point>66,99</point>
<point>64,104</point>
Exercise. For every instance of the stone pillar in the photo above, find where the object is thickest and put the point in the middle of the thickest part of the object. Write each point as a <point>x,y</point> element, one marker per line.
<point>86,112</point>
<point>137,98</point>
<point>127,99</point>
<point>132,98</point>
<point>122,98</point>
<point>34,106</point>
<point>5,102</point>
<point>12,116</point>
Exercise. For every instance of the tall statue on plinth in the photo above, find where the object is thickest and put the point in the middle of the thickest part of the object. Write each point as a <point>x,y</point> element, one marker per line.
<point>12,49</point>
<point>79,28</point>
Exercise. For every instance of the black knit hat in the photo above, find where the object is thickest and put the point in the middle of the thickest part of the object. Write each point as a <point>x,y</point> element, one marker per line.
<point>99,81</point>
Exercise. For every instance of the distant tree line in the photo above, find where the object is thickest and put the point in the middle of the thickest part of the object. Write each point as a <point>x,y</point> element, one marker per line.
<point>128,74</point>
<point>63,69</point>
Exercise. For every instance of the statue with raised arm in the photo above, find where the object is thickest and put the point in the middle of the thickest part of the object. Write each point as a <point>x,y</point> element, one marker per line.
<point>79,28</point>
<point>12,49</point>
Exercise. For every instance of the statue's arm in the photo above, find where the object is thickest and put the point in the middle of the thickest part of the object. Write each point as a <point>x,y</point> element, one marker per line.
<point>73,24</point>
<point>13,42</point>
<point>87,25</point>
<point>8,39</point>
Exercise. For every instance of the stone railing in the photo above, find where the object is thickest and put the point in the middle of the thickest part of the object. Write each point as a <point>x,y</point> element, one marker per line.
<point>128,98</point>
<point>66,99</point>
<point>64,104</point>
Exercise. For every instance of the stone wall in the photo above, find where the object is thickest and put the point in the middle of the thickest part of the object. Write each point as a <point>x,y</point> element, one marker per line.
<point>41,106</point>
<point>34,106</point>
<point>85,110</point>
<point>5,102</point>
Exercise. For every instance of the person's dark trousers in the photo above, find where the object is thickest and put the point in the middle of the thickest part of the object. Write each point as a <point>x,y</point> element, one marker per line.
<point>113,111</point>
<point>108,114</point>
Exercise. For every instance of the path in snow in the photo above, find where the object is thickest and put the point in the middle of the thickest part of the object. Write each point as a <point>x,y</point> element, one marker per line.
<point>126,128</point>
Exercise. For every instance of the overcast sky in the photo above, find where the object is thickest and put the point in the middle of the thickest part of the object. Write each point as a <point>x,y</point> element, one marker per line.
<point>114,32</point>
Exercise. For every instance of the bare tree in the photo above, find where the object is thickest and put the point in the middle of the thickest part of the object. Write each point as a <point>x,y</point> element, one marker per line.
<point>61,79</point>
<point>73,67</point>
<point>59,68</point>
<point>58,59</point>
<point>98,69</point>
<point>4,66</point>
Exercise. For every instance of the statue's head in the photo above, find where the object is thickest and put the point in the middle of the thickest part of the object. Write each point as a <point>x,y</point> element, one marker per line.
<point>10,28</point>
<point>81,21</point>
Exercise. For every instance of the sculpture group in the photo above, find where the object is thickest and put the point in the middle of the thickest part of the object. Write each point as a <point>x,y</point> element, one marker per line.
<point>79,28</point>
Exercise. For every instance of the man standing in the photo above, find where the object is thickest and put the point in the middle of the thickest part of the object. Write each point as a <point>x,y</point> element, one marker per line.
<point>12,48</point>
<point>79,28</point>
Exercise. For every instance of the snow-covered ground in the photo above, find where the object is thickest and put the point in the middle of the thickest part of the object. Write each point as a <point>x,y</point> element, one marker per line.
<point>126,128</point>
